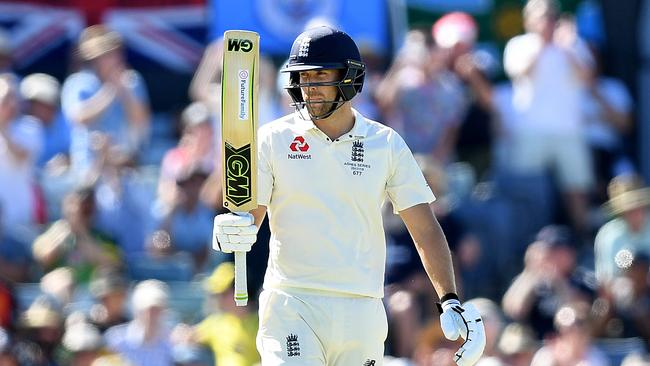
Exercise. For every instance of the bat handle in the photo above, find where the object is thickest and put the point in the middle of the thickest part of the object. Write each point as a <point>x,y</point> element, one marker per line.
<point>241,286</point>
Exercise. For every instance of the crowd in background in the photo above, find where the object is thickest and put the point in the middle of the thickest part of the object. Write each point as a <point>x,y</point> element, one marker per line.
<point>105,254</point>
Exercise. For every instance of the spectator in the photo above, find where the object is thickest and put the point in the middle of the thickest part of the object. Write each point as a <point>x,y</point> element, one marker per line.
<point>41,92</point>
<point>74,241</point>
<point>144,341</point>
<point>109,289</point>
<point>628,201</point>
<point>188,221</point>
<point>422,99</point>
<point>106,96</point>
<point>607,106</point>
<point>195,148</point>
<point>517,344</point>
<point>84,343</point>
<point>636,360</point>
<point>549,67</point>
<point>494,324</point>
<point>548,281</point>
<point>624,304</point>
<point>40,332</point>
<point>20,144</point>
<point>240,323</point>
<point>573,343</point>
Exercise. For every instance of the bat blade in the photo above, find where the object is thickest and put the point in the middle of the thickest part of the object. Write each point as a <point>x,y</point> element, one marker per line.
<point>239,87</point>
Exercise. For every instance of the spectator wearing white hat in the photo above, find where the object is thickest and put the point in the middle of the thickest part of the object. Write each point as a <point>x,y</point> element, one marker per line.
<point>41,94</point>
<point>106,97</point>
<point>144,341</point>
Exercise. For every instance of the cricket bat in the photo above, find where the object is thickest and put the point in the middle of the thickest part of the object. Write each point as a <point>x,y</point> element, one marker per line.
<point>239,86</point>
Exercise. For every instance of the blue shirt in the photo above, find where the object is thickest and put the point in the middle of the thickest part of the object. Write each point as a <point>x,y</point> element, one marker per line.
<point>56,139</point>
<point>127,340</point>
<point>80,87</point>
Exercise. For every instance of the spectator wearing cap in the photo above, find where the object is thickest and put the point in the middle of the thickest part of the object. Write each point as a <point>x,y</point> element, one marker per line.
<point>41,93</point>
<point>229,331</point>
<point>195,148</point>
<point>549,67</point>
<point>21,141</point>
<point>187,218</point>
<point>549,280</point>
<point>109,289</point>
<point>518,344</point>
<point>145,340</point>
<point>629,200</point>
<point>84,343</point>
<point>40,330</point>
<point>106,97</point>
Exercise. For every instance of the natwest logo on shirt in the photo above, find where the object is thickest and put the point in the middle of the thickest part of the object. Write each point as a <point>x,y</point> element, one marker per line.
<point>299,146</point>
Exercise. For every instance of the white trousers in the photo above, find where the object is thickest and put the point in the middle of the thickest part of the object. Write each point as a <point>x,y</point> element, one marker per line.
<point>315,329</point>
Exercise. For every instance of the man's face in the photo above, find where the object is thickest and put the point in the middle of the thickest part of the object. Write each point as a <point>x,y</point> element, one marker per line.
<point>317,96</point>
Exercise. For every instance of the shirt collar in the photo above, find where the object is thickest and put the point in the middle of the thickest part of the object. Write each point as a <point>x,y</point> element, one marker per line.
<point>359,130</point>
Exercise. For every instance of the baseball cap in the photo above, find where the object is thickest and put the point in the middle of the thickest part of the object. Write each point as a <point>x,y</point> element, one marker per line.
<point>40,87</point>
<point>82,337</point>
<point>149,293</point>
<point>556,236</point>
<point>221,278</point>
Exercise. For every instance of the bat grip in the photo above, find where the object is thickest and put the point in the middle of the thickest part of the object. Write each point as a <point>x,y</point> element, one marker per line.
<point>241,286</point>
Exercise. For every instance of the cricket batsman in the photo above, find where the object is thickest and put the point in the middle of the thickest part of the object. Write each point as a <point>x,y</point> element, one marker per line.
<point>324,173</point>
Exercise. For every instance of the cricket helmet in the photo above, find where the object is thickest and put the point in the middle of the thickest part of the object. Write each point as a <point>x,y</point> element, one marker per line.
<point>325,48</point>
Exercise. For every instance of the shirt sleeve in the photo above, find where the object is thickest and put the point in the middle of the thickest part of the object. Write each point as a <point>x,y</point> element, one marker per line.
<point>76,89</point>
<point>406,186</point>
<point>264,168</point>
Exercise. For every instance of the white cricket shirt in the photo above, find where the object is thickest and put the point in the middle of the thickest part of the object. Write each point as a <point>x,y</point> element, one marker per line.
<point>324,202</point>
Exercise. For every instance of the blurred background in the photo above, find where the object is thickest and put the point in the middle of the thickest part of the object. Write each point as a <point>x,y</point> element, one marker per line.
<point>530,120</point>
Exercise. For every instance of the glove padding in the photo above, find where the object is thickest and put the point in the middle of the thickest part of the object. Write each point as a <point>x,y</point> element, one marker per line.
<point>234,232</point>
<point>464,321</point>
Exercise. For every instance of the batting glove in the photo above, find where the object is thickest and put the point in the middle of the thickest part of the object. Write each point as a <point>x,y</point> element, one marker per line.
<point>234,233</point>
<point>464,321</point>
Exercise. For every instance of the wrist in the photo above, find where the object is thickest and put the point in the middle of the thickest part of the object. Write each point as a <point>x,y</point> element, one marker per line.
<point>447,301</point>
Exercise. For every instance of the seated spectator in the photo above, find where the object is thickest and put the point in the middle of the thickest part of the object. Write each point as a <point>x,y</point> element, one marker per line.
<point>629,202</point>
<point>518,344</point>
<point>41,93</point>
<point>549,280</point>
<point>239,322</point>
<point>195,148</point>
<point>572,345</point>
<point>624,303</point>
<point>188,220</point>
<point>74,242</point>
<point>144,341</point>
<point>105,96</point>
<point>40,329</point>
<point>84,344</point>
<point>109,289</point>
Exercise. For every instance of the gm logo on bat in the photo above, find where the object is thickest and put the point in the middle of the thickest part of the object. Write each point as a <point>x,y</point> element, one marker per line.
<point>238,174</point>
<point>236,44</point>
